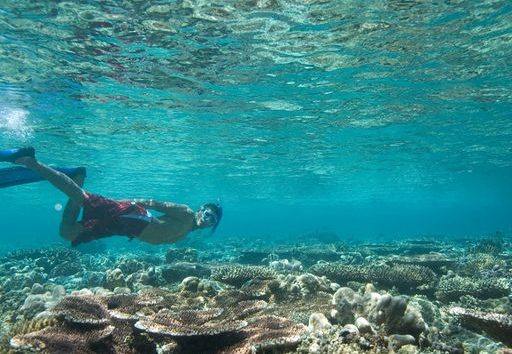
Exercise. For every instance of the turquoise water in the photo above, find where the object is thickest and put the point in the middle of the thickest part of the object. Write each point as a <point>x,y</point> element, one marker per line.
<point>377,119</point>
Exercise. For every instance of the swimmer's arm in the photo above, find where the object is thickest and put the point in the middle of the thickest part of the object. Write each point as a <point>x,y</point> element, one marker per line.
<point>172,209</point>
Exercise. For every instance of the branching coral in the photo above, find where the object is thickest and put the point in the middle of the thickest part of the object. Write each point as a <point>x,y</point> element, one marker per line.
<point>238,275</point>
<point>452,288</point>
<point>404,277</point>
<point>438,262</point>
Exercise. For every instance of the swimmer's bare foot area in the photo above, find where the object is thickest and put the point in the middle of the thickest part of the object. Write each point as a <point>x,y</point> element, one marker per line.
<point>78,175</point>
<point>11,155</point>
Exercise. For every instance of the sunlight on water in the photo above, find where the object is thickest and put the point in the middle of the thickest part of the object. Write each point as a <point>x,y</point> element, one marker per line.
<point>14,122</point>
<point>313,101</point>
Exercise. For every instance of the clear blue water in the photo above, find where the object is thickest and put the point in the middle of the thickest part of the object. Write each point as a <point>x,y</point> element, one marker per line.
<point>380,119</point>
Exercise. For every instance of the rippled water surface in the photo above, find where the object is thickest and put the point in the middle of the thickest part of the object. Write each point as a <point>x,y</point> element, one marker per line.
<point>299,103</point>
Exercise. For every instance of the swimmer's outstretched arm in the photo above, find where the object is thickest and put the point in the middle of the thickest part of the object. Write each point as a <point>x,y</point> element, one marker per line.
<point>178,210</point>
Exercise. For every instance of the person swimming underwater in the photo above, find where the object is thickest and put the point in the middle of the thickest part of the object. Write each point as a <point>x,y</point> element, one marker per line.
<point>104,217</point>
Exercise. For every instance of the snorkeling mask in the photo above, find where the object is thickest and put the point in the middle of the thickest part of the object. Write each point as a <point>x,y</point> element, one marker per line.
<point>211,213</point>
<point>208,216</point>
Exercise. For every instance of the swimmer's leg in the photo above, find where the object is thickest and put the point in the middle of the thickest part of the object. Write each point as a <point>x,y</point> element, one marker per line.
<point>69,227</point>
<point>62,182</point>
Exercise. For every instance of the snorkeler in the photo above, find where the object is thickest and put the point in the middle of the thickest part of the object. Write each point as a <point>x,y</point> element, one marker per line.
<point>103,217</point>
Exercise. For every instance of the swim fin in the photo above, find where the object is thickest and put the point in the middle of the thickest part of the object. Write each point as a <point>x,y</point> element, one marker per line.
<point>13,176</point>
<point>11,155</point>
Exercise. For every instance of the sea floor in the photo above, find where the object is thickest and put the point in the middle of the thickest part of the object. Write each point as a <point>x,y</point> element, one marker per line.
<point>249,296</point>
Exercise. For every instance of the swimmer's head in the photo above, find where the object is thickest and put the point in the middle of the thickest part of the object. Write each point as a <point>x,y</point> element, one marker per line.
<point>209,215</point>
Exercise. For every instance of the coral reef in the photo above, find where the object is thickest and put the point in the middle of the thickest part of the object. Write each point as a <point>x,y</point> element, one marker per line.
<point>268,334</point>
<point>237,275</point>
<point>61,340</point>
<point>496,325</point>
<point>493,246</point>
<point>488,265</point>
<point>306,254</point>
<point>437,262</point>
<point>83,310</point>
<point>328,298</point>
<point>405,277</point>
<point>451,288</point>
<point>189,323</point>
<point>188,254</point>
<point>178,271</point>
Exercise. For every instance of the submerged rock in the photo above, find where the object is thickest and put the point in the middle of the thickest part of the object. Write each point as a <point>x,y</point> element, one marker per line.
<point>178,271</point>
<point>318,322</point>
<point>173,255</point>
<point>347,305</point>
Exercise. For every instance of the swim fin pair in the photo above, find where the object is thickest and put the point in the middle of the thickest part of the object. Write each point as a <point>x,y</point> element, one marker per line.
<point>12,176</point>
<point>12,155</point>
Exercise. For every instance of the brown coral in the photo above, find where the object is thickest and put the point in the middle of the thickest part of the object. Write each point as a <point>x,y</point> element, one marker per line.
<point>438,262</point>
<point>238,275</point>
<point>247,308</point>
<point>64,340</point>
<point>123,306</point>
<point>189,323</point>
<point>496,325</point>
<point>452,288</point>
<point>404,277</point>
<point>268,334</point>
<point>85,310</point>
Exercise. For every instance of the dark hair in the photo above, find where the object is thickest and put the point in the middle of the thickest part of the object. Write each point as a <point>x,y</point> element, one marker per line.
<point>217,210</point>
